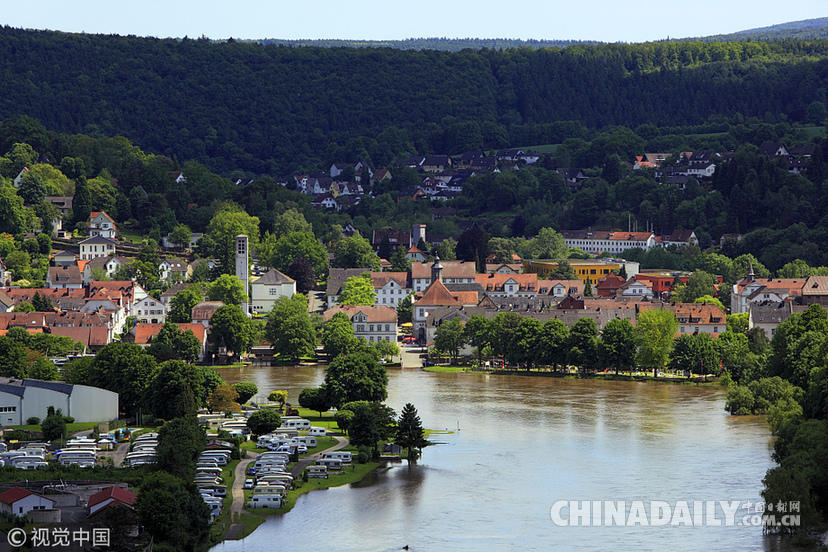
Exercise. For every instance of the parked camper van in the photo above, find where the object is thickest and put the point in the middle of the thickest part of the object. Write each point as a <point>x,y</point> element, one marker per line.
<point>333,464</point>
<point>265,501</point>
<point>342,455</point>
<point>300,423</point>
<point>317,472</point>
<point>278,490</point>
<point>318,431</point>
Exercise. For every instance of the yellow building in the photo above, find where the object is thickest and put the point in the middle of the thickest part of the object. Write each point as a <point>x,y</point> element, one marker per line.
<point>587,270</point>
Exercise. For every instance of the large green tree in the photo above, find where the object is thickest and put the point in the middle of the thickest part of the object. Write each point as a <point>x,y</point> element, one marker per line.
<point>231,221</point>
<point>228,289</point>
<point>175,390</point>
<point>357,290</point>
<point>619,344</point>
<point>449,338</point>
<point>356,376</point>
<point>182,303</point>
<point>355,252</point>
<point>173,344</point>
<point>231,327</point>
<point>126,369</point>
<point>338,335</point>
<point>656,329</point>
<point>289,329</point>
<point>264,421</point>
<point>299,244</point>
<point>410,432</point>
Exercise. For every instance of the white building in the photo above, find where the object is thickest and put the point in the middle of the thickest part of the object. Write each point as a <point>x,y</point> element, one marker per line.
<point>97,246</point>
<point>150,311</point>
<point>101,224</point>
<point>243,267</point>
<point>270,287</point>
<point>21,399</point>
<point>19,502</point>
<point>374,324</point>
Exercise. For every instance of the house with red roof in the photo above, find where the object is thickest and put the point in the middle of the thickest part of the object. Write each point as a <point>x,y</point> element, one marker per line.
<point>19,502</point>
<point>112,497</point>
<point>101,224</point>
<point>142,334</point>
<point>374,323</point>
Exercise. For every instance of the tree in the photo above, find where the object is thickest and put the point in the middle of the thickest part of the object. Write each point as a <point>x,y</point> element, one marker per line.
<point>656,329</point>
<point>447,250</point>
<point>314,398</point>
<point>618,344</point>
<point>173,344</point>
<point>228,289</point>
<point>563,271</point>
<point>302,271</point>
<point>356,377</point>
<point>181,235</point>
<point>246,391</point>
<point>399,262</point>
<point>175,390</point>
<point>476,333</point>
<point>385,249</point>
<point>300,244</point>
<point>289,328</point>
<point>694,354</point>
<point>357,290</point>
<point>229,325</point>
<point>355,252</point>
<point>264,421</point>
<point>523,349</point>
<point>82,201</point>
<point>53,427</point>
<point>172,511</point>
<point>126,369</point>
<point>410,432</point>
<point>231,221</point>
<point>705,299</point>
<point>44,369</point>
<point>404,310</point>
<point>699,284</point>
<point>372,422</point>
<point>12,358</point>
<point>223,399</point>
<point>449,338</point>
<point>279,396</point>
<point>182,303</point>
<point>289,221</point>
<point>32,189</point>
<point>19,262</point>
<point>338,335</point>
<point>583,337</point>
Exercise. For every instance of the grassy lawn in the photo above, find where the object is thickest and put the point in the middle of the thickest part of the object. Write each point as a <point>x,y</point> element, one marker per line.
<point>70,428</point>
<point>351,473</point>
<point>445,368</point>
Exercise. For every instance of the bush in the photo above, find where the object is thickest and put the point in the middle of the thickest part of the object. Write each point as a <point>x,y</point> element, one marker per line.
<point>69,419</point>
<point>364,455</point>
<point>34,420</point>
<point>19,435</point>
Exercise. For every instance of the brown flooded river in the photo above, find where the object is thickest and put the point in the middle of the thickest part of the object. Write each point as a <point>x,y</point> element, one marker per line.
<point>525,443</point>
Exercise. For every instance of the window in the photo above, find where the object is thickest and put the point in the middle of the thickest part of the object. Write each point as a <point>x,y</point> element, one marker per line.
<point>371,328</point>
<point>387,327</point>
<point>273,291</point>
<point>360,328</point>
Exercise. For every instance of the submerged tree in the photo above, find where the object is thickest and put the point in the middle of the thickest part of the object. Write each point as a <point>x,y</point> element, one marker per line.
<point>410,432</point>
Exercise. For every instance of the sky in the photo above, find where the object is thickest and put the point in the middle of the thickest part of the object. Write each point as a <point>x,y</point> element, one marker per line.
<point>599,20</point>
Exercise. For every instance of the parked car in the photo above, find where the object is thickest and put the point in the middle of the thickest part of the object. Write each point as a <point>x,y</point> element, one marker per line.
<point>248,483</point>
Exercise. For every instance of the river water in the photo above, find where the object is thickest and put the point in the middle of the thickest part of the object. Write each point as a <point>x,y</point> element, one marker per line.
<point>523,444</point>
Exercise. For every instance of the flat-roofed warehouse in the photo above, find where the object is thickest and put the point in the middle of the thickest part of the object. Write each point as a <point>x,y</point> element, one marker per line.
<point>20,399</point>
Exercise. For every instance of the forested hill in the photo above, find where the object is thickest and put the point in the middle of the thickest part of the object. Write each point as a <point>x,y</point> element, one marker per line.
<point>805,29</point>
<point>271,109</point>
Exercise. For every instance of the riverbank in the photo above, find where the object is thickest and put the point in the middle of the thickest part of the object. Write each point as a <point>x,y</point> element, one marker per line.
<point>244,521</point>
<point>604,376</point>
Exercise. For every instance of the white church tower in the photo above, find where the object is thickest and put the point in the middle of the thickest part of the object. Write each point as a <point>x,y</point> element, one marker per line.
<point>243,268</point>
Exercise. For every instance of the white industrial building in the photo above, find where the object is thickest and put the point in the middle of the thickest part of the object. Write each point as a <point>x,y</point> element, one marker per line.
<point>21,399</point>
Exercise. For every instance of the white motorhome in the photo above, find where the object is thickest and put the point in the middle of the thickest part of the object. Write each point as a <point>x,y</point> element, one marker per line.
<point>297,424</point>
<point>265,501</point>
<point>317,472</point>
<point>333,464</point>
<point>270,490</point>
<point>345,456</point>
<point>318,431</point>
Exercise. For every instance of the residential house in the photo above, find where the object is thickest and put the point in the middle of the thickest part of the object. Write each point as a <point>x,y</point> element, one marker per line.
<point>108,266</point>
<point>68,277</point>
<point>509,285</point>
<point>101,224</point>
<point>63,258</point>
<point>270,287</point>
<point>174,270</point>
<point>6,302</point>
<point>113,497</point>
<point>636,288</point>
<point>191,244</point>
<point>390,288</point>
<point>436,163</point>
<point>325,200</point>
<point>96,246</point>
<point>696,318</point>
<point>768,315</point>
<point>773,149</point>
<point>150,311</point>
<point>374,323</point>
<point>678,238</point>
<point>204,311</point>
<point>411,194</point>
<point>19,502</point>
<point>609,285</point>
<point>415,255</point>
<point>437,295</point>
<point>815,291</point>
<point>560,288</point>
<point>573,176</point>
<point>758,290</point>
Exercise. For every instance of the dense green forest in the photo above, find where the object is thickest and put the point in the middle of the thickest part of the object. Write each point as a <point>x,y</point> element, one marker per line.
<point>251,109</point>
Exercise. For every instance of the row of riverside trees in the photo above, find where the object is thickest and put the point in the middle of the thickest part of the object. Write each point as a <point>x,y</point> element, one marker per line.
<point>651,343</point>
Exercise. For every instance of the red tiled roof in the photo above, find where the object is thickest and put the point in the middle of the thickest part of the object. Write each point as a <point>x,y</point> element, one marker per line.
<point>119,494</point>
<point>13,495</point>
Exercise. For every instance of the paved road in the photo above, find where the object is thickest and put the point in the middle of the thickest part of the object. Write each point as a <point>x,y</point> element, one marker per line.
<point>315,301</point>
<point>296,471</point>
<point>411,356</point>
